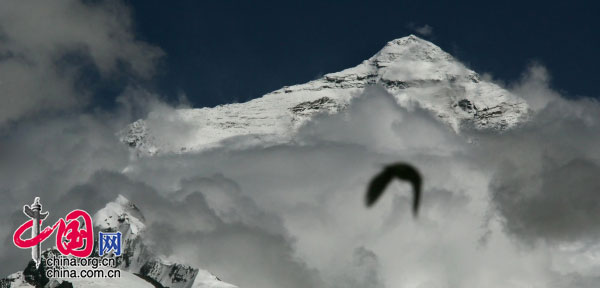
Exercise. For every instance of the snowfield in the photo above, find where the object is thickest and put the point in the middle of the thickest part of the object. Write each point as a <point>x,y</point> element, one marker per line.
<point>416,72</point>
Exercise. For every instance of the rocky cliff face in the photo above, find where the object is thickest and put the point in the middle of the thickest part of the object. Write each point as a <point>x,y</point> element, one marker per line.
<point>140,266</point>
<point>123,216</point>
<point>416,72</point>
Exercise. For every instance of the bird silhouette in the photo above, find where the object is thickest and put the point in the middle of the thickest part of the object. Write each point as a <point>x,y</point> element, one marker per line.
<point>401,171</point>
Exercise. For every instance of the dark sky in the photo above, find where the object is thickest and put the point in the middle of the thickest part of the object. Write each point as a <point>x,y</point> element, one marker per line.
<point>226,51</point>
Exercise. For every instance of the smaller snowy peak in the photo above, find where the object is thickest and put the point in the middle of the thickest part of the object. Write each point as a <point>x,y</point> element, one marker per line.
<point>120,215</point>
<point>141,267</point>
<point>138,258</point>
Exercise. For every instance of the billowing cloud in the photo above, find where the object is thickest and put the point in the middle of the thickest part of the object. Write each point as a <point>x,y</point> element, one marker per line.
<point>294,213</point>
<point>48,48</point>
<point>534,87</point>
<point>546,184</point>
<point>425,30</point>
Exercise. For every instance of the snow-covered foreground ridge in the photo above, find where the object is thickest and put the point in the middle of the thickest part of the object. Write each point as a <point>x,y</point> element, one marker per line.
<point>416,72</point>
<point>139,266</point>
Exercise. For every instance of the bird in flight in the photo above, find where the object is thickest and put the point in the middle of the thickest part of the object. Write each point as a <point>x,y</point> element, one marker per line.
<point>402,171</point>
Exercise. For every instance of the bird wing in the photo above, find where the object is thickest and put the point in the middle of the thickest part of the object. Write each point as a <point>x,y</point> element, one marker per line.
<point>377,186</point>
<point>401,171</point>
<point>410,174</point>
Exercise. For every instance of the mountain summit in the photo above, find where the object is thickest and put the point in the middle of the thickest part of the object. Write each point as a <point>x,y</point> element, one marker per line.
<point>416,72</point>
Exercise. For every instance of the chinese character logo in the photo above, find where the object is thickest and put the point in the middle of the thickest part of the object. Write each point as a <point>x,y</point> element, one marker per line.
<point>75,235</point>
<point>110,242</point>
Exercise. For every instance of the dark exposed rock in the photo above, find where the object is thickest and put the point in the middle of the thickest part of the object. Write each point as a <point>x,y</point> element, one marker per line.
<point>466,105</point>
<point>313,105</point>
<point>36,276</point>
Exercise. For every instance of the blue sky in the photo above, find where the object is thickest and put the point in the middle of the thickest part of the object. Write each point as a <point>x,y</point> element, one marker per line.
<point>226,51</point>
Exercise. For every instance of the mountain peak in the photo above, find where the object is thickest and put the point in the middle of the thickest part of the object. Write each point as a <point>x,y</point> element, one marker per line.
<point>124,216</point>
<point>141,267</point>
<point>119,213</point>
<point>409,40</point>
<point>414,71</point>
<point>408,50</point>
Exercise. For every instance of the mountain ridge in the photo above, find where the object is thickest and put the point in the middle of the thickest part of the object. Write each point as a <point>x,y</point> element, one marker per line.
<point>140,266</point>
<point>414,71</point>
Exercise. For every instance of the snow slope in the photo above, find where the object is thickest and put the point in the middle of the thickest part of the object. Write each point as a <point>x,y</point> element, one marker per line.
<point>122,215</point>
<point>414,71</point>
<point>138,264</point>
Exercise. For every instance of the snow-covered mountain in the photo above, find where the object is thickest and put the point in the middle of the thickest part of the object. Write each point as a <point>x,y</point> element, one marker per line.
<point>414,71</point>
<point>139,266</point>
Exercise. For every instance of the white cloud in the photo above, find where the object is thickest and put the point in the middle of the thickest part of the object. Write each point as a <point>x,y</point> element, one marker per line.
<point>424,30</point>
<point>39,39</point>
<point>293,215</point>
<point>534,87</point>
